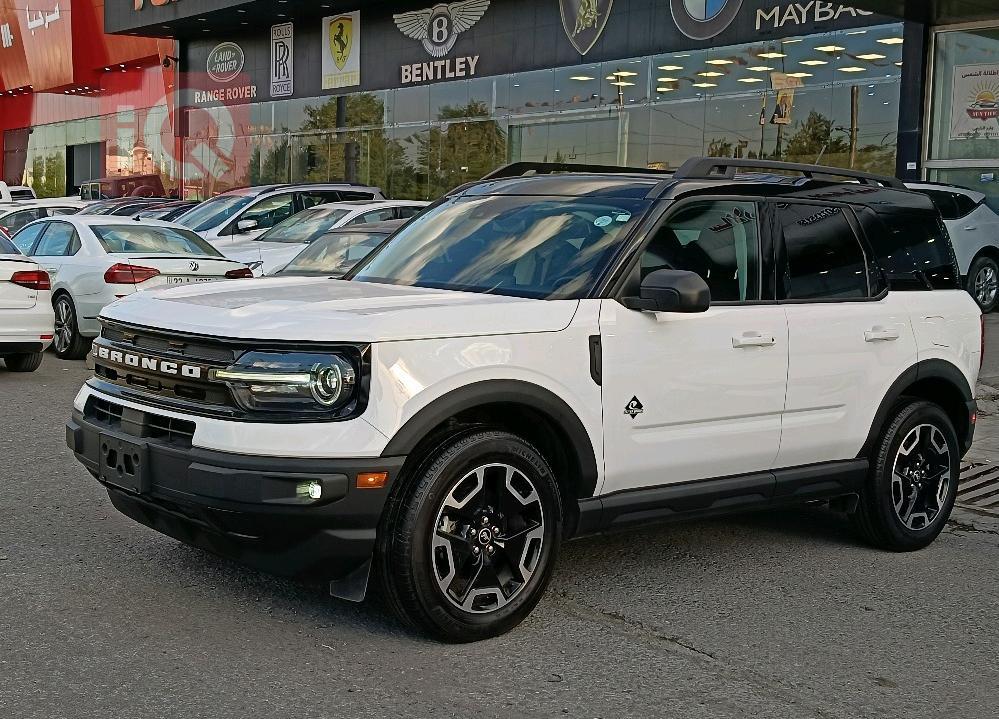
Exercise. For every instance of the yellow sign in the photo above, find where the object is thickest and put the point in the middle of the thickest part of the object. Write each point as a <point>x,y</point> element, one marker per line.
<point>342,51</point>
<point>341,39</point>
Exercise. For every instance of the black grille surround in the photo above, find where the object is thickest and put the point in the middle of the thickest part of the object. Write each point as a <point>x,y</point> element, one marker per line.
<point>140,424</point>
<point>191,391</point>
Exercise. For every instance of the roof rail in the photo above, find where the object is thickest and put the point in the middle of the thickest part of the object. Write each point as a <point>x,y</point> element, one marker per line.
<point>519,169</point>
<point>715,168</point>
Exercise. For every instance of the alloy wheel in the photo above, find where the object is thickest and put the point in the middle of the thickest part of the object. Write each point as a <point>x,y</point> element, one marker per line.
<point>921,477</point>
<point>63,325</point>
<point>488,538</point>
<point>986,286</point>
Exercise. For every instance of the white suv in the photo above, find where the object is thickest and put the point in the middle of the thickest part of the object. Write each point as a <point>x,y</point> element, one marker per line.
<point>536,358</point>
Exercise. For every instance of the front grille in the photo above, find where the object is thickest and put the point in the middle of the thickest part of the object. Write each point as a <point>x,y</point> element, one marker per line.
<point>137,423</point>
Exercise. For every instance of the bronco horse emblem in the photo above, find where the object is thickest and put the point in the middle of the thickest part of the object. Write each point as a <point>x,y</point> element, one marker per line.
<point>584,21</point>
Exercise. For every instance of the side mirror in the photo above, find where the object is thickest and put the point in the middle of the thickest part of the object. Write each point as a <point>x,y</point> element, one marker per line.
<point>246,226</point>
<point>671,291</point>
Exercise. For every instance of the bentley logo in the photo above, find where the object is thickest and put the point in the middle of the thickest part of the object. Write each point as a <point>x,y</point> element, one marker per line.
<point>341,39</point>
<point>584,21</point>
<point>438,27</point>
<point>703,19</point>
<point>195,266</point>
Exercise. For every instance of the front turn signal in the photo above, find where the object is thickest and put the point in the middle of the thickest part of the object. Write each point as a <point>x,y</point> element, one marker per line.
<point>372,480</point>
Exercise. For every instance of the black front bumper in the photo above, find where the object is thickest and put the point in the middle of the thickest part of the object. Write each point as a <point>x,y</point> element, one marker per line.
<point>242,507</point>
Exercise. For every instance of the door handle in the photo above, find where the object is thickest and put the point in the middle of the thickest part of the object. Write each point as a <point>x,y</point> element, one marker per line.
<point>881,334</point>
<point>753,339</point>
<point>971,228</point>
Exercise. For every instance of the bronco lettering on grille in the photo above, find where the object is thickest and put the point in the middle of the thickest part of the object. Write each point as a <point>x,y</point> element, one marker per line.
<point>151,364</point>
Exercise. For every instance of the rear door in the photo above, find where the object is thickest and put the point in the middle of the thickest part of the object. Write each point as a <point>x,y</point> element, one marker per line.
<point>849,338</point>
<point>15,297</point>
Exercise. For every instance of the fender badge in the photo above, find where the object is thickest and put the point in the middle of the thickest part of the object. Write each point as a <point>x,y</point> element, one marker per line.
<point>634,408</point>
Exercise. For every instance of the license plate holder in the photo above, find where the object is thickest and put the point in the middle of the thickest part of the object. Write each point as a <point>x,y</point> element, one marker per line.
<point>187,280</point>
<point>123,464</point>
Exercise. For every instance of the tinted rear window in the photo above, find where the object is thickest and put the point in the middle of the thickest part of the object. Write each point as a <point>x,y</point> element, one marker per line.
<point>7,247</point>
<point>914,250</point>
<point>126,239</point>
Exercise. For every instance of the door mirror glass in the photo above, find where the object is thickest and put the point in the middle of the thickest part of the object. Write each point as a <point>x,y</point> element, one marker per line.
<point>246,226</point>
<point>671,291</point>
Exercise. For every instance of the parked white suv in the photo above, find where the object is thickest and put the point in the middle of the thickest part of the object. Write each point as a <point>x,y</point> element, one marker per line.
<point>974,231</point>
<point>541,357</point>
<point>240,215</point>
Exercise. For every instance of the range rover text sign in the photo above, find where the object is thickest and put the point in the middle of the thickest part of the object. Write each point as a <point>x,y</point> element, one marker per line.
<point>225,62</point>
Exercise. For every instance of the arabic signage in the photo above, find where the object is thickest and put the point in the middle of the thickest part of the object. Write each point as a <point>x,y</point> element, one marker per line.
<point>36,43</point>
<point>341,47</point>
<point>974,110</point>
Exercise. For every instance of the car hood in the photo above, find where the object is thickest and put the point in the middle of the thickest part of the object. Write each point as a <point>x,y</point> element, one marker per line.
<point>326,310</point>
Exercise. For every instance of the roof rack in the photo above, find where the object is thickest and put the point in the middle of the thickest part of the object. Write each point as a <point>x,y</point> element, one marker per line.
<point>519,169</point>
<point>724,168</point>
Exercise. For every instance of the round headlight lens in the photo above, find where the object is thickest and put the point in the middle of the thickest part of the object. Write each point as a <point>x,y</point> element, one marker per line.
<point>330,382</point>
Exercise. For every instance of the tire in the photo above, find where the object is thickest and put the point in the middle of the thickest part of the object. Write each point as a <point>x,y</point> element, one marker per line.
<point>68,343</point>
<point>480,583</point>
<point>27,362</point>
<point>905,462</point>
<point>983,283</point>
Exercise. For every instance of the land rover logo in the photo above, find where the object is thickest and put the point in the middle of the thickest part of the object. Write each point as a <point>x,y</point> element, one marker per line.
<point>225,61</point>
<point>149,364</point>
<point>195,267</point>
<point>704,19</point>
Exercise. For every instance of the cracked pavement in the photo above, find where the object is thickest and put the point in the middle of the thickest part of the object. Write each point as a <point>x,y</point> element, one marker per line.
<point>780,615</point>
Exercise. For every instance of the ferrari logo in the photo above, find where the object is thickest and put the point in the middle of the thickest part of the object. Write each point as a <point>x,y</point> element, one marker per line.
<point>341,39</point>
<point>584,21</point>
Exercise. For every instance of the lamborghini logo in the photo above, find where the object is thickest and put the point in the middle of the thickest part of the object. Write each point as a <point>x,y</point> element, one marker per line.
<point>584,21</point>
<point>341,39</point>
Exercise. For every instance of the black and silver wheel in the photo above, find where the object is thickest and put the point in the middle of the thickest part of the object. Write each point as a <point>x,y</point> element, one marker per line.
<point>473,540</point>
<point>24,362</point>
<point>983,283</point>
<point>67,342</point>
<point>913,484</point>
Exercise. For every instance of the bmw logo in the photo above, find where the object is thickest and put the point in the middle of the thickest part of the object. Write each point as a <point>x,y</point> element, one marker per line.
<point>704,19</point>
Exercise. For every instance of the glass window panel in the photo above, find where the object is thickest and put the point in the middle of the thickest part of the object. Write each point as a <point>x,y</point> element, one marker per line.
<point>411,104</point>
<point>577,87</point>
<point>532,91</point>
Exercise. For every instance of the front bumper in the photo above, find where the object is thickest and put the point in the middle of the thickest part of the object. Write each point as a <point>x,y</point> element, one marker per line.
<point>237,506</point>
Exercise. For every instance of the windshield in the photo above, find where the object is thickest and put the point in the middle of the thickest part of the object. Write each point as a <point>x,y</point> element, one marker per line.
<point>304,227</point>
<point>334,253</point>
<point>540,247</point>
<point>212,213</point>
<point>124,239</point>
<point>7,247</point>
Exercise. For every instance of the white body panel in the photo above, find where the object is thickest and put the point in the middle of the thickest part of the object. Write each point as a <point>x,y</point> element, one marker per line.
<point>973,232</point>
<point>25,314</point>
<point>709,408</point>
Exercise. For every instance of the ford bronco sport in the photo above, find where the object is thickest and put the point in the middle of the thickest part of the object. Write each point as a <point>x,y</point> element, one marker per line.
<point>551,352</point>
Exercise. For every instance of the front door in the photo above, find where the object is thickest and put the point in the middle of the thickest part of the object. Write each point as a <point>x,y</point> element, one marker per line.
<point>697,396</point>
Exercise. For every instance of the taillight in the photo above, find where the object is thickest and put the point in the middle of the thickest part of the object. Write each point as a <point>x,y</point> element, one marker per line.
<point>32,279</point>
<point>124,274</point>
<point>239,273</point>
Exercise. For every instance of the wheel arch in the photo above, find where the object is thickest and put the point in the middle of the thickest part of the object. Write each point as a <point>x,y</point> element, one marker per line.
<point>990,251</point>
<point>522,408</point>
<point>937,381</point>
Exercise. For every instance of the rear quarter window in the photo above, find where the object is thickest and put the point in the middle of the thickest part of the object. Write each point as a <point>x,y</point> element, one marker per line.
<point>914,250</point>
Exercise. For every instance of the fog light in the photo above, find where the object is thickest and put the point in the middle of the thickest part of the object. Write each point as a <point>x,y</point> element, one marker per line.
<point>312,490</point>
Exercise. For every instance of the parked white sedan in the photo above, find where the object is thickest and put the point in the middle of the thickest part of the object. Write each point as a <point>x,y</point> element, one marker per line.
<point>26,318</point>
<point>279,245</point>
<point>94,260</point>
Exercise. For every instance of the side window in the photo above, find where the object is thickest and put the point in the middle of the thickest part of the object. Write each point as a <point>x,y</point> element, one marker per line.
<point>718,240</point>
<point>914,250</point>
<point>26,238</point>
<point>270,211</point>
<point>404,213</point>
<point>17,220</point>
<point>318,197</point>
<point>945,202</point>
<point>965,205</point>
<point>347,195</point>
<point>386,213</point>
<point>823,256</point>
<point>59,241</point>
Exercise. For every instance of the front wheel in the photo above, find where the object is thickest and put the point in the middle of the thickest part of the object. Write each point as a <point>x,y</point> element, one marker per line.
<point>67,342</point>
<point>913,482</point>
<point>470,547</point>
<point>983,283</point>
<point>26,362</point>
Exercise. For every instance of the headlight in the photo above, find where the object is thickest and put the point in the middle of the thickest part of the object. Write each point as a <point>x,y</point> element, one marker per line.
<point>302,382</point>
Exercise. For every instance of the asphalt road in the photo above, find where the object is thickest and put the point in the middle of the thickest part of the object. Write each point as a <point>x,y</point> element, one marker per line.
<point>781,615</point>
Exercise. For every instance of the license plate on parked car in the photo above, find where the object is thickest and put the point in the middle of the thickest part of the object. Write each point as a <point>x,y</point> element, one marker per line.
<point>185,280</point>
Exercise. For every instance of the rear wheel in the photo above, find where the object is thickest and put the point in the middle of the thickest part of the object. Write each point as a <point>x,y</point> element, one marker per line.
<point>983,283</point>
<point>67,342</point>
<point>913,482</point>
<point>469,550</point>
<point>27,362</point>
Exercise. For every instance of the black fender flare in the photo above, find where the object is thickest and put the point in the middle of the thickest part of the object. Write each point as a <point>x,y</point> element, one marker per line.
<point>536,397</point>
<point>927,369</point>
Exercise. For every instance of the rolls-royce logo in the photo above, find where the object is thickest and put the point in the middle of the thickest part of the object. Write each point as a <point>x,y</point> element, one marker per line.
<point>704,19</point>
<point>584,21</point>
<point>438,27</point>
<point>195,266</point>
<point>149,364</point>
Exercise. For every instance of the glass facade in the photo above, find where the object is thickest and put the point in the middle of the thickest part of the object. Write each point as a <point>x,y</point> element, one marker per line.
<point>963,136</point>
<point>653,111</point>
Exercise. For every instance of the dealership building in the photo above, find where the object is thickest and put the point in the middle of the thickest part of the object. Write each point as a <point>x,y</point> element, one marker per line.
<point>417,97</point>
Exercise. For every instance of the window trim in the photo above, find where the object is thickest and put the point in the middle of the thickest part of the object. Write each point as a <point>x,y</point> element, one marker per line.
<point>858,233</point>
<point>627,273</point>
<point>74,240</point>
